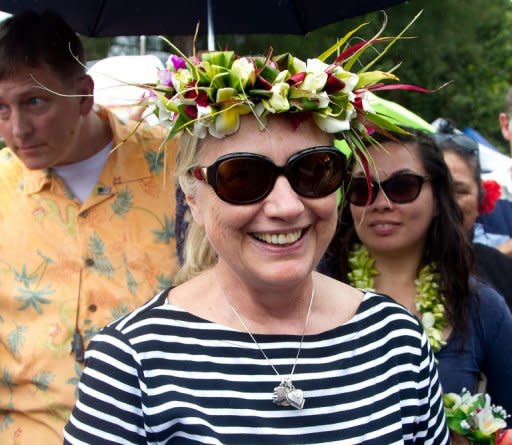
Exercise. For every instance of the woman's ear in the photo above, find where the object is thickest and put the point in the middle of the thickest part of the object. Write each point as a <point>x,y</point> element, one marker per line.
<point>194,209</point>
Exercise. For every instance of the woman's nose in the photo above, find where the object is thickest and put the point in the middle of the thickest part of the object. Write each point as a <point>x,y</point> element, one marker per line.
<point>283,201</point>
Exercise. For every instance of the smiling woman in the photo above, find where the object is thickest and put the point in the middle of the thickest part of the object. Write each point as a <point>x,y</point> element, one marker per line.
<point>252,345</point>
<point>409,242</point>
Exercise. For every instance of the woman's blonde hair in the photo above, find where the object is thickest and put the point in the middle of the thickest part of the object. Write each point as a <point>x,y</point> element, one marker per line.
<point>198,253</point>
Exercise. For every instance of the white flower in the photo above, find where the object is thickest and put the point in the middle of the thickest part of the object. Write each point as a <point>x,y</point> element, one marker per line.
<point>316,77</point>
<point>164,114</point>
<point>365,102</point>
<point>350,79</point>
<point>242,71</point>
<point>487,423</point>
<point>205,115</point>
<point>199,130</point>
<point>428,320</point>
<point>278,102</point>
<point>323,100</point>
<point>182,79</point>
<point>330,124</point>
<point>297,65</point>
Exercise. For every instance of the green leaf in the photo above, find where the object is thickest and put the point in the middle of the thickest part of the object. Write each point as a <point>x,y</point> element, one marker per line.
<point>155,160</point>
<point>23,277</point>
<point>6,380</point>
<point>43,380</point>
<point>34,298</point>
<point>327,53</point>
<point>90,332</point>
<point>165,234</point>
<point>123,202</point>
<point>164,282</point>
<point>15,339</point>
<point>96,245</point>
<point>103,266</point>
<point>119,311</point>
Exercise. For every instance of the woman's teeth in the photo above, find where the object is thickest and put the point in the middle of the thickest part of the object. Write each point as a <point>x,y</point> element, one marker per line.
<point>279,238</point>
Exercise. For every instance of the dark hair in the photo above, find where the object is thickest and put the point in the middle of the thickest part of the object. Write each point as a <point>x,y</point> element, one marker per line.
<point>446,244</point>
<point>32,39</point>
<point>448,140</point>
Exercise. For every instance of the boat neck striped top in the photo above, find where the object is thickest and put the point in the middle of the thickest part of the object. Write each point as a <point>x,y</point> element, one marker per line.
<point>161,375</point>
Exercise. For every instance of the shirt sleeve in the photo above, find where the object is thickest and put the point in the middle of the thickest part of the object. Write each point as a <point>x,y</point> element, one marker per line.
<point>495,325</point>
<point>431,422</point>
<point>108,409</point>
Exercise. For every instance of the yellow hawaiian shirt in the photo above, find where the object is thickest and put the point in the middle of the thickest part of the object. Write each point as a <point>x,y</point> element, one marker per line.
<point>67,266</point>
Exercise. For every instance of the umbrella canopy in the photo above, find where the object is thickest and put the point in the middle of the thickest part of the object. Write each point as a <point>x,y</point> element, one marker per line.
<point>103,18</point>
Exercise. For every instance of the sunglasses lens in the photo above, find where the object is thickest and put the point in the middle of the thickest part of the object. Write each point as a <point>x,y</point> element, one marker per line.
<point>243,180</point>
<point>403,188</point>
<point>358,192</point>
<point>400,189</point>
<point>317,173</point>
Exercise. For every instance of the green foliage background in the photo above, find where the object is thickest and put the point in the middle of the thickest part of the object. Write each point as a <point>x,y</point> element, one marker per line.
<point>467,43</point>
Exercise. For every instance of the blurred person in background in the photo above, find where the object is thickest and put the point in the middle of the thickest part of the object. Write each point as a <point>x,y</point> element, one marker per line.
<point>496,227</point>
<point>86,217</point>
<point>401,234</point>
<point>475,197</point>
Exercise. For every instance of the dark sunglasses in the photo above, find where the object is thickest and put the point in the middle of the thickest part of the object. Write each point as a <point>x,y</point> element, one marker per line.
<point>246,178</point>
<point>401,188</point>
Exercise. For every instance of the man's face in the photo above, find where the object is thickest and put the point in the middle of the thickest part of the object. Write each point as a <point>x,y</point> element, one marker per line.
<point>506,128</point>
<point>37,122</point>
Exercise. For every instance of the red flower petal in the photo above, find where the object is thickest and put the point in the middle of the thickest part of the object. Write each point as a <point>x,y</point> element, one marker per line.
<point>191,111</point>
<point>492,192</point>
<point>333,84</point>
<point>296,78</point>
<point>263,83</point>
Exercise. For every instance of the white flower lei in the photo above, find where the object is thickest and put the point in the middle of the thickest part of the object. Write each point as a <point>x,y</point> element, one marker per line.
<point>429,301</point>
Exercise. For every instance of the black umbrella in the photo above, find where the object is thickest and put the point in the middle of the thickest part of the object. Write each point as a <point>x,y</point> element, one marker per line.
<point>103,18</point>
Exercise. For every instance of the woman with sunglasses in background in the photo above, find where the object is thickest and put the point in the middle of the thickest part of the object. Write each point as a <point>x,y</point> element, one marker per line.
<point>401,234</point>
<point>461,155</point>
<point>252,346</point>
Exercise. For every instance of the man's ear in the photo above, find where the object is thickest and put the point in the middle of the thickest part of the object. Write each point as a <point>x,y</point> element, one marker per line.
<point>194,209</point>
<point>85,88</point>
<point>505,126</point>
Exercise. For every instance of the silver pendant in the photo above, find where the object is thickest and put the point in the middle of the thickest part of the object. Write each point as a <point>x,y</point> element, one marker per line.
<point>287,395</point>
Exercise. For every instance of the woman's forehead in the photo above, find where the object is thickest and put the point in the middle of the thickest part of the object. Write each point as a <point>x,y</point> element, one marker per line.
<point>389,157</point>
<point>279,139</point>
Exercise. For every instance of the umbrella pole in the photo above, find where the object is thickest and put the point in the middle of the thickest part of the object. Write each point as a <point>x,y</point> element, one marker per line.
<point>142,45</point>
<point>211,34</point>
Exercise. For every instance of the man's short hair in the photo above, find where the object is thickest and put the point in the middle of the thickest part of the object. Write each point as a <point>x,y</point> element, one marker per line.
<point>32,39</point>
<point>508,103</point>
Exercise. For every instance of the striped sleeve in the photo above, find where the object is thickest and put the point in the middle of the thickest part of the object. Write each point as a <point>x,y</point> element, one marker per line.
<point>108,409</point>
<point>431,423</point>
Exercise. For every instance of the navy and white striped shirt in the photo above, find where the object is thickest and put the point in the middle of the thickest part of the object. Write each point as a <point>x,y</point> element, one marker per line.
<point>164,376</point>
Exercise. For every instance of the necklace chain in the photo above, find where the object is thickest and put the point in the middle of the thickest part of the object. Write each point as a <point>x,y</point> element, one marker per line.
<point>285,394</point>
<point>244,324</point>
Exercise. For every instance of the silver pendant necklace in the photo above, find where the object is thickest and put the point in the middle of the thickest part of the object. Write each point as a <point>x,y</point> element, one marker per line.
<point>285,394</point>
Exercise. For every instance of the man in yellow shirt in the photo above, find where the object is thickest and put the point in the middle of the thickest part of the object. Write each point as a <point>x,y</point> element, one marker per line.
<point>86,223</point>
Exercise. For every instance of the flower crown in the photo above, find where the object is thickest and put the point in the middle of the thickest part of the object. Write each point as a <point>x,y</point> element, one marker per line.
<point>208,94</point>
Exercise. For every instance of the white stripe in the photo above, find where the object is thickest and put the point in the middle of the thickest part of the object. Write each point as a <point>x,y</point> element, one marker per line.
<point>238,429</point>
<point>121,366</point>
<point>108,418</point>
<point>108,399</point>
<point>99,433</point>
<point>113,382</point>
